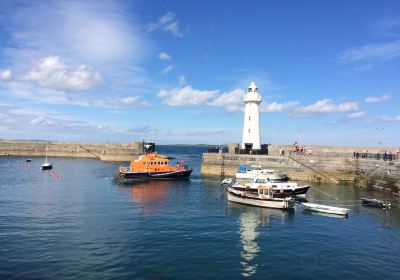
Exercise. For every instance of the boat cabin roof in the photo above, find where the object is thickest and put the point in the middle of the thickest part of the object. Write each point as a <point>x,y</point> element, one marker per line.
<point>151,157</point>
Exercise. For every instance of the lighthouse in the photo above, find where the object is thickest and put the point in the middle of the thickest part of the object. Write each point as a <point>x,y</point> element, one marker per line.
<point>251,123</point>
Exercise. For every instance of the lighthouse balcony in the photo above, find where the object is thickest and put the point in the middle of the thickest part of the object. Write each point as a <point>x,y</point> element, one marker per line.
<point>255,99</point>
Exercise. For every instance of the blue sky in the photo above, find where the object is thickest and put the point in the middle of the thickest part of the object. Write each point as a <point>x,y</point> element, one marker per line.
<point>176,71</point>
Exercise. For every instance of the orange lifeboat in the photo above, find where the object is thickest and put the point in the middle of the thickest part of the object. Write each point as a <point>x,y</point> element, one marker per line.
<point>154,166</point>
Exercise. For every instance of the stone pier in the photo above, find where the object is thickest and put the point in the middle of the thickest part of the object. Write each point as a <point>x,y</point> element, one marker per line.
<point>106,152</point>
<point>321,164</point>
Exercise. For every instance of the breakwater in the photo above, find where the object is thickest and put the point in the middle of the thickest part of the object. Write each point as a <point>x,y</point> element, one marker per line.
<point>106,152</point>
<point>370,169</point>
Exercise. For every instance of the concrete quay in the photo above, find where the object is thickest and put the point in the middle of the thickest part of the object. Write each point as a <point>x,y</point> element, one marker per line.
<point>106,152</point>
<point>324,164</point>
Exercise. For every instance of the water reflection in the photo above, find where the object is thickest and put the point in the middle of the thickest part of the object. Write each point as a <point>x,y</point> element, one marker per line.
<point>248,234</point>
<point>149,195</point>
<point>250,220</point>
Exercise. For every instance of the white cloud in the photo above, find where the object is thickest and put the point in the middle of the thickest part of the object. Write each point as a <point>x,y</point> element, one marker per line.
<point>350,117</point>
<point>130,100</point>
<point>86,30</point>
<point>41,121</point>
<point>87,38</point>
<point>277,107</point>
<point>5,75</point>
<point>232,101</point>
<point>167,23</point>
<point>390,118</point>
<point>378,52</point>
<point>186,96</point>
<point>323,107</point>
<point>376,99</point>
<point>167,69</point>
<point>52,73</point>
<point>357,115</point>
<point>386,27</point>
<point>141,129</point>
<point>164,56</point>
<point>182,80</point>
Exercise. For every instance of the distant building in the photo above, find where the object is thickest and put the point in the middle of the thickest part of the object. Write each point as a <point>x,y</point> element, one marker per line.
<point>251,125</point>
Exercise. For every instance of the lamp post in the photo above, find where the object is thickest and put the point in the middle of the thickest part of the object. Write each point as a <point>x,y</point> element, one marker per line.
<point>380,130</point>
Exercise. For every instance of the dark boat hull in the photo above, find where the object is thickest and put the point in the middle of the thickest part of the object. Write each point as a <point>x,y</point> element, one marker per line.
<point>129,176</point>
<point>370,202</point>
<point>46,167</point>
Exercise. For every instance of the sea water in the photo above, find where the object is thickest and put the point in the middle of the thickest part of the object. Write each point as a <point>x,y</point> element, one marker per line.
<point>76,223</point>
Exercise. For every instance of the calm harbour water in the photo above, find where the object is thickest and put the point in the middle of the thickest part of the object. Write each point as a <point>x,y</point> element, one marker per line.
<point>84,226</point>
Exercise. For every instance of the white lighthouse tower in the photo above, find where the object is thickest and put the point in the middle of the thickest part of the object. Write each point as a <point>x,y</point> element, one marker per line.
<point>251,124</point>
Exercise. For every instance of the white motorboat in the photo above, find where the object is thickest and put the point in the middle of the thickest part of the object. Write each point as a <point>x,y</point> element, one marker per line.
<point>326,209</point>
<point>280,189</point>
<point>227,182</point>
<point>263,198</point>
<point>247,172</point>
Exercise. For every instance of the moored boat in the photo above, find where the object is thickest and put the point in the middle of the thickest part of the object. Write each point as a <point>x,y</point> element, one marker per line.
<point>280,189</point>
<point>263,198</point>
<point>325,209</point>
<point>46,165</point>
<point>372,202</point>
<point>227,182</point>
<point>246,172</point>
<point>153,166</point>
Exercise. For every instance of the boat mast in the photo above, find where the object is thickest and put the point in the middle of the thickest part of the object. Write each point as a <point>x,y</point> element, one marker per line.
<point>46,152</point>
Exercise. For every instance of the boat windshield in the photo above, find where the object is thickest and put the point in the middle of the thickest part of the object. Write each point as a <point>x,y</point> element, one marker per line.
<point>256,168</point>
<point>261,181</point>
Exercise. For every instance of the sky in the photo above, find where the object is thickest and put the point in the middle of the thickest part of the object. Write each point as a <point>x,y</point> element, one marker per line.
<point>176,71</point>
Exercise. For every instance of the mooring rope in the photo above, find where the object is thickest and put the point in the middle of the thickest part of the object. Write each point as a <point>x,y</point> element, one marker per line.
<point>327,194</point>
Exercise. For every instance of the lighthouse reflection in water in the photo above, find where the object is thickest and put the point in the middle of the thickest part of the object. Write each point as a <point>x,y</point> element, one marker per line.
<point>250,222</point>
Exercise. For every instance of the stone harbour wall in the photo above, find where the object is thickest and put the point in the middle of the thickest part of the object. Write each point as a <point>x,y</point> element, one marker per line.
<point>365,172</point>
<point>106,152</point>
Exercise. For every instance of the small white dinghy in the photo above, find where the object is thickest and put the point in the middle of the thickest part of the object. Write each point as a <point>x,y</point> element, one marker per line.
<point>326,209</point>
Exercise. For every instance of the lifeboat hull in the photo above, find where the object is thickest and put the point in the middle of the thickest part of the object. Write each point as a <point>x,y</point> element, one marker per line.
<point>155,175</point>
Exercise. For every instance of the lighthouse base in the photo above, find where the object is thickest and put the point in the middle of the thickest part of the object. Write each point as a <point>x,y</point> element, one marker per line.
<point>248,149</point>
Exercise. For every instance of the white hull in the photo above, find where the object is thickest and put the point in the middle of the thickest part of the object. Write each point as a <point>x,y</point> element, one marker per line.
<point>326,209</point>
<point>278,204</point>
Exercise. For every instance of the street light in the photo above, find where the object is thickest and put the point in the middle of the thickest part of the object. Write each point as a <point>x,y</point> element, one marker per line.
<point>380,130</point>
